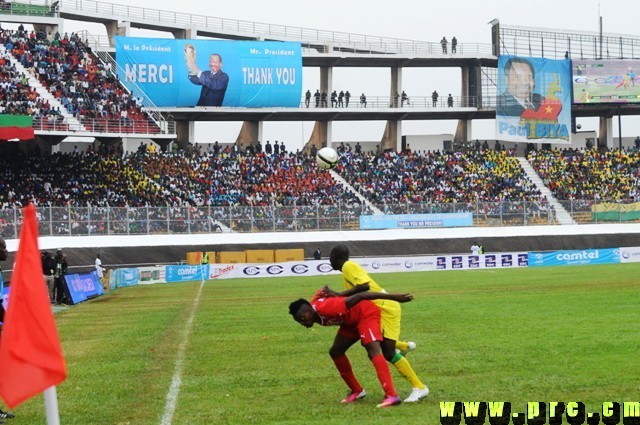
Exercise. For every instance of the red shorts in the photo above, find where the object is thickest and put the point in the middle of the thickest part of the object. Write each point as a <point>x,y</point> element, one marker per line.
<point>364,324</point>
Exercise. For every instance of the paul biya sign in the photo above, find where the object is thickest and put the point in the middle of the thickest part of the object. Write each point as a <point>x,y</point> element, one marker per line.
<point>534,131</point>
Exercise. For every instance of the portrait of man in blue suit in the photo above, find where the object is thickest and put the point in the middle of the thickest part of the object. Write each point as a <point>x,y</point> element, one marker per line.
<point>214,82</point>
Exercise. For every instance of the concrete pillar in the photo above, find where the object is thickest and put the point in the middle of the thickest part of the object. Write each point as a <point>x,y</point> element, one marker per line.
<point>392,137</point>
<point>185,131</point>
<point>250,134</point>
<point>185,33</point>
<point>396,85</point>
<point>326,81</point>
<point>605,135</point>
<point>318,136</point>
<point>463,131</point>
<point>115,28</point>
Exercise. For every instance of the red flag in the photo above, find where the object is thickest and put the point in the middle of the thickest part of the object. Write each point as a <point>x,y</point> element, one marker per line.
<point>30,354</point>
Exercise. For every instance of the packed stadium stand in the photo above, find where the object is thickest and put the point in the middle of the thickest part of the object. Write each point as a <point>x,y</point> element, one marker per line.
<point>87,89</point>
<point>602,174</point>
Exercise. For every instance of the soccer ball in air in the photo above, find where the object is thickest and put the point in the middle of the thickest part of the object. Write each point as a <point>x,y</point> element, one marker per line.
<point>327,158</point>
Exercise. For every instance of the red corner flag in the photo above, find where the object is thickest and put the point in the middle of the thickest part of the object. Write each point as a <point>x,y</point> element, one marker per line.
<point>30,354</point>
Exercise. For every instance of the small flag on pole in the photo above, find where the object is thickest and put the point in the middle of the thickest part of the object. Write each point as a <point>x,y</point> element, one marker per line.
<point>30,353</point>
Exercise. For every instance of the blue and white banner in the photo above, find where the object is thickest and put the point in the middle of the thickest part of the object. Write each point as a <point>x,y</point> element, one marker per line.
<point>126,277</point>
<point>482,261</point>
<point>630,254</point>
<point>212,72</point>
<point>186,273</point>
<point>534,101</point>
<point>83,286</point>
<point>567,258</point>
<point>414,221</point>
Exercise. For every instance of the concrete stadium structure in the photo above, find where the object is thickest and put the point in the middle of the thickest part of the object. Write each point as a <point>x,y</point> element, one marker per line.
<point>328,50</point>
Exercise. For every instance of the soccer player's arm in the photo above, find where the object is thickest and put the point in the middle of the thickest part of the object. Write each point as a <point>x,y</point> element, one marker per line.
<point>355,299</point>
<point>355,290</point>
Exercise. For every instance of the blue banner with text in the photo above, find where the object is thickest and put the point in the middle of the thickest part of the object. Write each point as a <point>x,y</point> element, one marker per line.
<point>414,221</point>
<point>177,73</point>
<point>570,258</point>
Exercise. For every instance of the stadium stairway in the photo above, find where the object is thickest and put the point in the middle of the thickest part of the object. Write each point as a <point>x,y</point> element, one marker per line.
<point>562,215</point>
<point>350,188</point>
<point>44,93</point>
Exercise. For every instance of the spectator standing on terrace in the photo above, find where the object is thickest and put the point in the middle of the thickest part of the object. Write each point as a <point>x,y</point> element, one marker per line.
<point>636,142</point>
<point>450,101</point>
<point>3,257</point>
<point>276,148</point>
<point>347,96</point>
<point>268,149</point>
<point>363,100</point>
<point>214,82</point>
<point>307,98</point>
<point>334,99</point>
<point>323,99</point>
<point>341,99</point>
<point>434,98</point>
<point>444,43</point>
<point>404,98</point>
<point>454,44</point>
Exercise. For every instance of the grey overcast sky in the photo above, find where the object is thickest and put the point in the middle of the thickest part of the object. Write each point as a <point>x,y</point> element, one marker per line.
<point>410,19</point>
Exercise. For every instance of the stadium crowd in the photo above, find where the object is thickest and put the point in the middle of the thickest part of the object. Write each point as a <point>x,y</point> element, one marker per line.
<point>85,86</point>
<point>151,191</point>
<point>593,174</point>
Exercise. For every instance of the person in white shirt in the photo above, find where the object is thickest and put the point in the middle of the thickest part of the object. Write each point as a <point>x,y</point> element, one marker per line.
<point>99,269</point>
<point>475,249</point>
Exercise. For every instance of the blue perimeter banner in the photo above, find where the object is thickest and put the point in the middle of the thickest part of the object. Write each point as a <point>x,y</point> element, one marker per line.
<point>126,277</point>
<point>414,221</point>
<point>186,273</point>
<point>534,100</point>
<point>179,72</point>
<point>574,258</point>
<point>83,286</point>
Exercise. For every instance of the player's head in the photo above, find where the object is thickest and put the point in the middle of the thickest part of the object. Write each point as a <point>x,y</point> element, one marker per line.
<point>520,77</point>
<point>3,249</point>
<point>215,62</point>
<point>302,312</point>
<point>339,254</point>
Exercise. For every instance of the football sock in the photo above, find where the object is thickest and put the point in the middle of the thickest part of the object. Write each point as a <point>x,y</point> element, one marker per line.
<point>404,367</point>
<point>402,346</point>
<point>384,376</point>
<point>344,367</point>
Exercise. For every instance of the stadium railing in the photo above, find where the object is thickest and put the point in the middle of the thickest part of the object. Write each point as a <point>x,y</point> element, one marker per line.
<point>310,37</point>
<point>392,102</point>
<point>97,125</point>
<point>76,221</point>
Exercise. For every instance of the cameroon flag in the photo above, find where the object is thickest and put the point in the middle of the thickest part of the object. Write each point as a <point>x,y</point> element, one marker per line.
<point>16,127</point>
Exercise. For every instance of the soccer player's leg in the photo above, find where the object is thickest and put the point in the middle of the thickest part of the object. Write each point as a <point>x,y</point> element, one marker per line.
<point>344,339</point>
<point>371,335</point>
<point>391,329</point>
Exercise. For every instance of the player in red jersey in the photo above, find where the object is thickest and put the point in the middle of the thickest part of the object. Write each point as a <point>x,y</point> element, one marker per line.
<point>359,319</point>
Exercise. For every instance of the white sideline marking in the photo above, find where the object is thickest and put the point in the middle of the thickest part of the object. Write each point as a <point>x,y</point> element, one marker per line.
<point>176,381</point>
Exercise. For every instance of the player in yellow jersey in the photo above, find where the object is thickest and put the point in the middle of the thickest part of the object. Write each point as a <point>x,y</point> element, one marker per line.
<point>355,279</point>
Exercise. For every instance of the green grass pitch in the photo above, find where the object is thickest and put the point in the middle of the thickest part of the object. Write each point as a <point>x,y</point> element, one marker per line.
<point>518,335</point>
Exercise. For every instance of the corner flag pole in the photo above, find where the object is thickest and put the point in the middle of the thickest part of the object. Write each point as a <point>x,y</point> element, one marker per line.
<point>51,406</point>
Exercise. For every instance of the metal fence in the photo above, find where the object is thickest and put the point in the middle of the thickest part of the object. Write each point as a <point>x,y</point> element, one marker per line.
<point>78,221</point>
